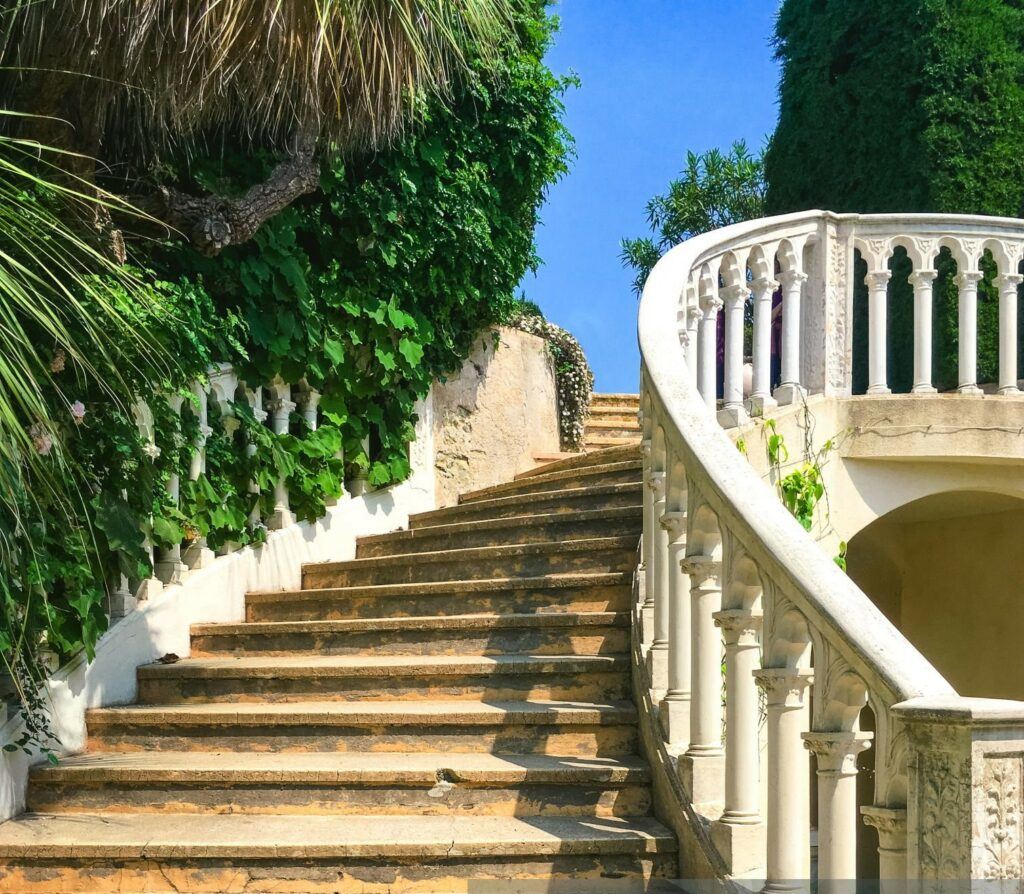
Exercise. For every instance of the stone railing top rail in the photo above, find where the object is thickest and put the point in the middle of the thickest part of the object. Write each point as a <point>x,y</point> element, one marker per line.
<point>839,612</point>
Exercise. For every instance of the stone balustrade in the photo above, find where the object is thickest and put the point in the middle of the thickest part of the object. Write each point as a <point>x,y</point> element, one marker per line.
<point>272,405</point>
<point>732,586</point>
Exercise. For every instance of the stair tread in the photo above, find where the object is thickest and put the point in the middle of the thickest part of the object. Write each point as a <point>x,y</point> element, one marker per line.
<point>340,767</point>
<point>371,666</point>
<point>182,836</point>
<point>484,584</point>
<point>558,475</point>
<point>425,622</point>
<point>383,712</point>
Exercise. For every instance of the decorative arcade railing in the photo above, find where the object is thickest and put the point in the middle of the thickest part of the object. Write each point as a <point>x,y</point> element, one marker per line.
<point>725,567</point>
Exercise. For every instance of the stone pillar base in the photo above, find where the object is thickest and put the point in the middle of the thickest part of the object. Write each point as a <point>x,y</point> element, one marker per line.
<point>148,589</point>
<point>121,604</point>
<point>789,393</point>
<point>732,417</point>
<point>970,391</point>
<point>171,571</point>
<point>674,718</point>
<point>282,518</point>
<point>646,625</point>
<point>657,670</point>
<point>703,778</point>
<point>198,555</point>
<point>760,404</point>
<point>742,846</point>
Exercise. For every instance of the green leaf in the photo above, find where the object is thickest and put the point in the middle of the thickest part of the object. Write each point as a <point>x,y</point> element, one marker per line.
<point>412,351</point>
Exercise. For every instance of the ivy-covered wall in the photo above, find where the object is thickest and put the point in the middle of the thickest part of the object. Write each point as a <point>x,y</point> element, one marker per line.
<point>903,106</point>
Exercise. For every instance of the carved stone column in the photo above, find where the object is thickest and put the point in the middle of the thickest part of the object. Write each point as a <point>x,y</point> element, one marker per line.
<point>197,554</point>
<point>657,657</point>
<point>675,707</point>
<point>891,825</point>
<point>1008,375</point>
<point>923,282</point>
<point>707,371</point>
<point>702,768</point>
<point>788,806</point>
<point>170,569</point>
<point>761,391</point>
<point>281,408</point>
<point>968,332</point>
<point>837,801</point>
<point>733,411</point>
<point>693,316</point>
<point>878,331</point>
<point>790,388</point>
<point>650,524</point>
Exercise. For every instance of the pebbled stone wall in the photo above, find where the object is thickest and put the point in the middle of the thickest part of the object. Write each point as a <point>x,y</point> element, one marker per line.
<point>495,415</point>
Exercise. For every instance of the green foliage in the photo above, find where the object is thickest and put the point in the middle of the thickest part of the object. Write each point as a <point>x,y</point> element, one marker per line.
<point>366,290</point>
<point>911,106</point>
<point>716,189</point>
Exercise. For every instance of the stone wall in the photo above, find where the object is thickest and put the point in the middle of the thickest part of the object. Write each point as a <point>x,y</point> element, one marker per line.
<point>497,414</point>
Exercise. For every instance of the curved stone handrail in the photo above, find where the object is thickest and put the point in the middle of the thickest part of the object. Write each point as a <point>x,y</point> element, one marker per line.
<point>720,550</point>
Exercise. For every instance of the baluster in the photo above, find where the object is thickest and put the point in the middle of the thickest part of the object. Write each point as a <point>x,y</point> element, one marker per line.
<point>310,402</point>
<point>733,412</point>
<point>788,805</point>
<point>254,398</point>
<point>923,282</point>
<point>647,546</point>
<point>968,331</point>
<point>151,587</point>
<point>837,801</point>
<point>707,369</point>
<point>703,764</point>
<point>790,389</point>
<point>692,342</point>
<point>675,707</point>
<point>360,484</point>
<point>223,385</point>
<point>197,554</point>
<point>170,569</point>
<point>1008,376</point>
<point>657,657</point>
<point>878,305</point>
<point>761,397</point>
<point>281,408</point>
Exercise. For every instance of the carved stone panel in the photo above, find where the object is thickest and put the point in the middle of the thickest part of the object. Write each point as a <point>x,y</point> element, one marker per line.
<point>997,831</point>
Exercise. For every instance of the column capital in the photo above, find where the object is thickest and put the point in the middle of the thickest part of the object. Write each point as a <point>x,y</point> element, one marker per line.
<point>891,823</point>
<point>701,570</point>
<point>675,524</point>
<point>921,279</point>
<point>1007,281</point>
<point>969,279</point>
<point>792,278</point>
<point>710,305</point>
<point>645,448</point>
<point>837,752</point>
<point>739,626</point>
<point>785,687</point>
<point>763,287</point>
<point>282,407</point>
<point>656,481</point>
<point>878,279</point>
<point>735,296</point>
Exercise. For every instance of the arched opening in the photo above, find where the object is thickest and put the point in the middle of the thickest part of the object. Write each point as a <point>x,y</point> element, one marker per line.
<point>948,571</point>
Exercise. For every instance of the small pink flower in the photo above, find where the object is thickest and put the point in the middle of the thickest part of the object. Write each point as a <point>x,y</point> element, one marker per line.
<point>78,412</point>
<point>58,362</point>
<point>41,439</point>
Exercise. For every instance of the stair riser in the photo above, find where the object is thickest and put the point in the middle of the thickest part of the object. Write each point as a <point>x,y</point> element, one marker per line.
<point>576,799</point>
<point>521,533</point>
<point>614,598</point>
<point>623,430</point>
<point>589,740</point>
<point>539,484</point>
<point>551,561</point>
<point>330,876</point>
<point>614,414</point>
<point>529,505</point>
<point>499,641</point>
<point>588,686</point>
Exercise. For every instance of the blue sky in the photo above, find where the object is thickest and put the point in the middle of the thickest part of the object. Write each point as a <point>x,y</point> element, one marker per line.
<point>659,77</point>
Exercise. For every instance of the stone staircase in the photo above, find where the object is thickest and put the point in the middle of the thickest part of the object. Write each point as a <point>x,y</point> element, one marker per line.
<point>451,707</point>
<point>613,421</point>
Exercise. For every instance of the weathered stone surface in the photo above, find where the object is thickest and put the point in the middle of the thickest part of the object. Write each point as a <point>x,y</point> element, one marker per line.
<point>495,415</point>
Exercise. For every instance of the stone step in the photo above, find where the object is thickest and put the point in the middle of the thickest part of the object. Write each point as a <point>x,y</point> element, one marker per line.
<point>212,854</point>
<point>514,560</point>
<point>600,423</point>
<point>608,473</point>
<point>558,526</point>
<point>603,442</point>
<point>346,783</point>
<point>613,399</point>
<point>584,592</point>
<point>550,633</point>
<point>385,678</point>
<point>563,728</point>
<point>623,433</point>
<point>569,500</point>
<point>583,460</point>
<point>613,413</point>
